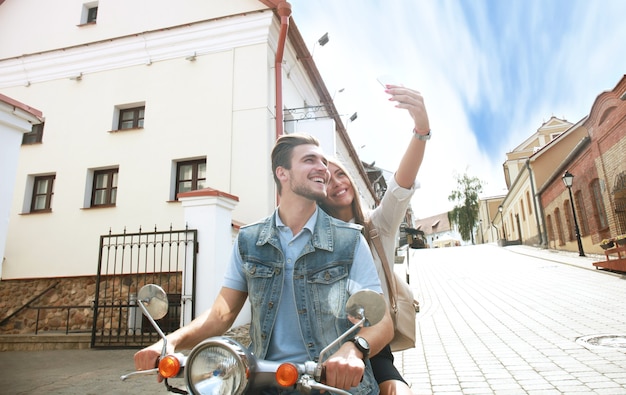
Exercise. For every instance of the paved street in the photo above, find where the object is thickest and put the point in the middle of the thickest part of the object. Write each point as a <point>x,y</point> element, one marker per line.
<point>493,321</point>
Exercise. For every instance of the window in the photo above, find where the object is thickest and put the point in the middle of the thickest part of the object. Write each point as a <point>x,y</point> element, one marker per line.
<point>559,227</point>
<point>190,176</point>
<point>553,136</point>
<point>580,214</point>
<point>600,211</point>
<point>568,220</point>
<point>131,118</point>
<point>89,13</point>
<point>549,228</point>
<point>92,14</point>
<point>34,136</point>
<point>43,189</point>
<point>530,206</point>
<point>104,192</point>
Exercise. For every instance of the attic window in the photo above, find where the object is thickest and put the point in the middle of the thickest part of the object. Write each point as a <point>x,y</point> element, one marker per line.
<point>435,224</point>
<point>555,135</point>
<point>89,13</point>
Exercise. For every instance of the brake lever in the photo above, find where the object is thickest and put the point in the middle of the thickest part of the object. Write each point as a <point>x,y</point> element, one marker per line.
<point>139,373</point>
<point>308,383</point>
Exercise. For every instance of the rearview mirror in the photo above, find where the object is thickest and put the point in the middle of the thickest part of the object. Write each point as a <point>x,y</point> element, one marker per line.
<point>154,299</point>
<point>366,303</point>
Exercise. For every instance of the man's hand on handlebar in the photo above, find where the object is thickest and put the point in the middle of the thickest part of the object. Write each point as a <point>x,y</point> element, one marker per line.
<point>344,369</point>
<point>148,358</point>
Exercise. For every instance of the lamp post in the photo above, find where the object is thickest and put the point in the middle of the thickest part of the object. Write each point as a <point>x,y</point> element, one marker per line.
<point>568,180</point>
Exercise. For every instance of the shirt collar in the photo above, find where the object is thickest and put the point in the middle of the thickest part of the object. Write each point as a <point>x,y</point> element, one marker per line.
<point>310,224</point>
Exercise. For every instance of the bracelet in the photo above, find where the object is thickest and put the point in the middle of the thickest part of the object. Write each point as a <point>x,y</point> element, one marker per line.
<point>422,137</point>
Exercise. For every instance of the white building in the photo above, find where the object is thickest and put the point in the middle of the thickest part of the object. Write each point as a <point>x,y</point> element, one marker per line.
<point>16,119</point>
<point>145,100</point>
<point>196,84</point>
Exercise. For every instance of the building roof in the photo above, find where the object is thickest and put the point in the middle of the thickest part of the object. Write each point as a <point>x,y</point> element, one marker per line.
<point>435,224</point>
<point>19,106</point>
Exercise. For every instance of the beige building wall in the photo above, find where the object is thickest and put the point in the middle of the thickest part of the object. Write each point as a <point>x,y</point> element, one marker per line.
<point>489,225</point>
<point>519,212</point>
<point>526,169</point>
<point>217,105</point>
<point>516,159</point>
<point>550,158</point>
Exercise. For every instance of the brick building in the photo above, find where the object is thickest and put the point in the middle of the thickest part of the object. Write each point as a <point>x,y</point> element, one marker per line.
<point>598,163</point>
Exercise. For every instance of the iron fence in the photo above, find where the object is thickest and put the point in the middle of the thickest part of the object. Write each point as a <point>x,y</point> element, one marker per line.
<point>126,262</point>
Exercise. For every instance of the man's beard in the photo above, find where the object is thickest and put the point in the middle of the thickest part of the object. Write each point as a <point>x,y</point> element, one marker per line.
<point>307,192</point>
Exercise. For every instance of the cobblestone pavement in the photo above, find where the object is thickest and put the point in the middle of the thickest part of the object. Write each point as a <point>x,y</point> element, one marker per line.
<point>506,320</point>
<point>493,320</point>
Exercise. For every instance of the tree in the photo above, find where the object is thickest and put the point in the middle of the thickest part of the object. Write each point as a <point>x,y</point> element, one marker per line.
<point>465,212</point>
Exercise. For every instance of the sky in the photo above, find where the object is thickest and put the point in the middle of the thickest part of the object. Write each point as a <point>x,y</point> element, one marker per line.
<point>491,73</point>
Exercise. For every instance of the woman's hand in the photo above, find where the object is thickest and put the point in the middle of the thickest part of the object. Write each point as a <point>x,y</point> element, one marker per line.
<point>413,101</point>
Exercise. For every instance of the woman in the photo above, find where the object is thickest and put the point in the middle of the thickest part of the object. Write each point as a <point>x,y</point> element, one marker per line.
<point>343,202</point>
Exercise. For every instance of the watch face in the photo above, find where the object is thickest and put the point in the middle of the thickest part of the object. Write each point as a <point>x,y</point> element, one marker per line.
<point>362,345</point>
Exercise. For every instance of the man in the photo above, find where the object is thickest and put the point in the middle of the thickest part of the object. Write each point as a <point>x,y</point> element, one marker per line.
<point>298,266</point>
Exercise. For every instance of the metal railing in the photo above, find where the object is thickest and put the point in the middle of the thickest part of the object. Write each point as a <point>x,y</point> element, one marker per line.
<point>67,318</point>
<point>27,304</point>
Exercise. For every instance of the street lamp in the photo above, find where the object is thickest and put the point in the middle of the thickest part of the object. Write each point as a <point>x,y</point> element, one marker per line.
<point>352,118</point>
<point>568,180</point>
<point>321,41</point>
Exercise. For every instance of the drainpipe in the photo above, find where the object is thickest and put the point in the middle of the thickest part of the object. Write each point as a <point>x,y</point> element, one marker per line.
<point>532,191</point>
<point>284,11</point>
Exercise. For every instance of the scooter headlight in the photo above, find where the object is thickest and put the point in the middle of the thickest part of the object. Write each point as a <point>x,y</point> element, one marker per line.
<point>218,366</point>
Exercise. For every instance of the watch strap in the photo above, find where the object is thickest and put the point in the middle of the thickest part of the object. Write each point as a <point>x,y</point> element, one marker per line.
<point>357,343</point>
<point>422,137</point>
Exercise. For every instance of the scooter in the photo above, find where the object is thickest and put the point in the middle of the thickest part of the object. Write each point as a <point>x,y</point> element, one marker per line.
<point>220,365</point>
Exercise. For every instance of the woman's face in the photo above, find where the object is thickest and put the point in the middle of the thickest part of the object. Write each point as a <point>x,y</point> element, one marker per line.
<point>339,190</point>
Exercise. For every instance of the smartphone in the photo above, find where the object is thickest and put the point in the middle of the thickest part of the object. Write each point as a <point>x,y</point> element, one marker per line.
<point>387,79</point>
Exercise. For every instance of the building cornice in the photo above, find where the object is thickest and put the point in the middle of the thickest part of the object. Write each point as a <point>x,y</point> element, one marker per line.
<point>145,48</point>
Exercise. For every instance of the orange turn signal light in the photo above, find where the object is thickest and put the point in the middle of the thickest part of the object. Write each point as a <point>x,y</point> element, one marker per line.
<point>287,375</point>
<point>169,366</point>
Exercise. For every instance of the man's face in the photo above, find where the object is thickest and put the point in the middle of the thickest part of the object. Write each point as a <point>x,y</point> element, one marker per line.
<point>309,172</point>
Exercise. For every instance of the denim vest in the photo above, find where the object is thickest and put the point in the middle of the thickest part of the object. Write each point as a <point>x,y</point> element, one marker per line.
<point>320,280</point>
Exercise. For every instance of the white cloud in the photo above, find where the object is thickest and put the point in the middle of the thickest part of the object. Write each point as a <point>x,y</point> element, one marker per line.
<point>491,73</point>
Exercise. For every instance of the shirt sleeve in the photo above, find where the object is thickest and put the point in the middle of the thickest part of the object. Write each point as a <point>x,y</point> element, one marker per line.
<point>235,277</point>
<point>363,274</point>
<point>391,210</point>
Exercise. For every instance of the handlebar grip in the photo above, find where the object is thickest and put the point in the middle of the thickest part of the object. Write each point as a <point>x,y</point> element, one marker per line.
<point>323,375</point>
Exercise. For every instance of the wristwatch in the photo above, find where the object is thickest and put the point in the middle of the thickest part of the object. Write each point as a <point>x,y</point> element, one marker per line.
<point>362,345</point>
<point>423,137</point>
